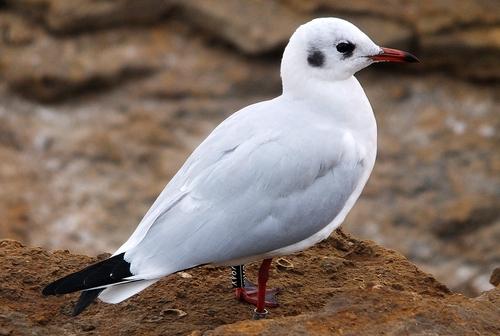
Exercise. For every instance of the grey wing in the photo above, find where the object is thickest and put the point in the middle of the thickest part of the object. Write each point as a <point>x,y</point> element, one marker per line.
<point>265,193</point>
<point>223,140</point>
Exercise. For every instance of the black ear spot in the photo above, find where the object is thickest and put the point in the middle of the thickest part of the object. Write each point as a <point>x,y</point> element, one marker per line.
<point>316,58</point>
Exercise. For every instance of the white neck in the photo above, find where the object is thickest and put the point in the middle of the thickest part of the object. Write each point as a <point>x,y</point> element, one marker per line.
<point>343,101</point>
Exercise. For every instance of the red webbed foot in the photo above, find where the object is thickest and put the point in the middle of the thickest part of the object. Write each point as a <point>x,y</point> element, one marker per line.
<point>249,294</point>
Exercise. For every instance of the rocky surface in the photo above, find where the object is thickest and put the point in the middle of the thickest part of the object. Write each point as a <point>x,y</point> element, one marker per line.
<point>343,286</point>
<point>102,101</point>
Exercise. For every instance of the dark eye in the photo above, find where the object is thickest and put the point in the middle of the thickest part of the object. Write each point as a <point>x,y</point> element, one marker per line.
<point>345,47</point>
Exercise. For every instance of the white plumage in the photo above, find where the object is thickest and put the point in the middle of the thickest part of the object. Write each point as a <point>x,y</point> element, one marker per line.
<point>274,178</point>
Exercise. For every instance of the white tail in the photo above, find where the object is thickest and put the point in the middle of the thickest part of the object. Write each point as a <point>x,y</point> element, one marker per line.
<point>118,293</point>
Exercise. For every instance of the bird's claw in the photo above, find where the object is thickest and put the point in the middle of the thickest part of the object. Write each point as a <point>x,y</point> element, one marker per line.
<point>249,294</point>
<point>259,315</point>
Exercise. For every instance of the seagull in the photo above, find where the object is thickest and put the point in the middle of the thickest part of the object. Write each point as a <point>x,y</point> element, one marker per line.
<point>274,178</point>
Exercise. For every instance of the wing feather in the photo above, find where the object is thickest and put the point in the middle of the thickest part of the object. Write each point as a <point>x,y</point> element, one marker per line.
<point>251,187</point>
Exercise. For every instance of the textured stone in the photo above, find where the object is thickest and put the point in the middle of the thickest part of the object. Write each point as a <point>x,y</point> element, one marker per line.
<point>384,32</point>
<point>409,313</point>
<point>477,47</point>
<point>65,17</point>
<point>175,64</point>
<point>261,26</point>
<point>373,293</point>
<point>495,277</point>
<point>426,16</point>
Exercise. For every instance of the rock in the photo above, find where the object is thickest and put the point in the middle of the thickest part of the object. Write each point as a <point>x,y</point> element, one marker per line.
<point>15,30</point>
<point>266,25</point>
<point>80,65</point>
<point>88,327</point>
<point>383,31</point>
<point>495,277</point>
<point>393,9</point>
<point>378,293</point>
<point>104,60</point>
<point>5,331</point>
<point>446,15</point>
<point>83,15</point>
<point>426,16</point>
<point>466,44</point>
<point>368,316</point>
<point>332,265</point>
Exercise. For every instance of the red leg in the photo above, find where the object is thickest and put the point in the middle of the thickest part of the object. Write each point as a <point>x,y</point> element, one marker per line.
<point>263,277</point>
<point>248,292</point>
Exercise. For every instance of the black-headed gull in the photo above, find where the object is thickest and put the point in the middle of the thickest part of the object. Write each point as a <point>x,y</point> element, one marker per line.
<point>274,178</point>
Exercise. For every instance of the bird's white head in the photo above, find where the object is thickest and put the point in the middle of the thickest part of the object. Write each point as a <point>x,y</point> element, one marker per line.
<point>332,49</point>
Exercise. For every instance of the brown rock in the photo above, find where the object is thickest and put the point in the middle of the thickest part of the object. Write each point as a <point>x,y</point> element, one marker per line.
<point>495,277</point>
<point>478,47</point>
<point>174,65</point>
<point>49,69</point>
<point>409,314</point>
<point>378,293</point>
<point>442,15</point>
<point>393,9</point>
<point>83,15</point>
<point>427,16</point>
<point>265,25</point>
<point>15,30</point>
<point>34,9</point>
<point>383,31</point>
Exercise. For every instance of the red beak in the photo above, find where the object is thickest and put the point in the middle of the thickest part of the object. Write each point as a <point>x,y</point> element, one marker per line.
<point>394,55</point>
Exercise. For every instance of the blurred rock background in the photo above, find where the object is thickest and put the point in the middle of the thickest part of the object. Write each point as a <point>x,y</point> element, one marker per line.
<point>101,101</point>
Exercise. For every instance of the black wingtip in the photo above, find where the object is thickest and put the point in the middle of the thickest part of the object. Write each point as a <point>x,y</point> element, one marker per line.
<point>86,298</point>
<point>49,290</point>
<point>106,272</point>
